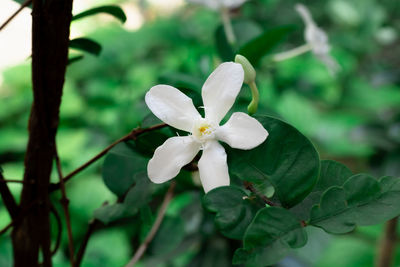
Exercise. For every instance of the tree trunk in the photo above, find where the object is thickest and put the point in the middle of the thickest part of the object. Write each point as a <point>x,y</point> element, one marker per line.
<point>50,36</point>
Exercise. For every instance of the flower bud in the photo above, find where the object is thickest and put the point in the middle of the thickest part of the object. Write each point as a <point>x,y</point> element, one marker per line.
<point>249,71</point>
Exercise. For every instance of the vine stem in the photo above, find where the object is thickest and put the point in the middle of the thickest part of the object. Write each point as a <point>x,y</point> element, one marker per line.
<point>291,53</point>
<point>388,244</point>
<point>64,202</point>
<point>160,216</point>
<point>132,135</point>
<point>226,21</point>
<point>23,5</point>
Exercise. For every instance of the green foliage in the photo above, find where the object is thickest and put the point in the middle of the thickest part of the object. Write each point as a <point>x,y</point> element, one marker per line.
<point>112,10</point>
<point>122,168</point>
<point>264,43</point>
<point>269,237</point>
<point>287,159</point>
<point>234,210</point>
<point>86,45</point>
<point>362,200</point>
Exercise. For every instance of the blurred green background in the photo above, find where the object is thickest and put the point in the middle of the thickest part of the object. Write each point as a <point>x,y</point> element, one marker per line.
<point>353,117</point>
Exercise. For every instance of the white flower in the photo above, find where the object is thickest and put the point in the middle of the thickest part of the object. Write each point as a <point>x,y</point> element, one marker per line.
<point>317,39</point>
<point>177,110</point>
<point>218,4</point>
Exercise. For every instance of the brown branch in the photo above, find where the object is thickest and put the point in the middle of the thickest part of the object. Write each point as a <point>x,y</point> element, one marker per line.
<point>5,229</point>
<point>64,202</point>
<point>23,5</point>
<point>92,227</point>
<point>132,135</point>
<point>59,225</point>
<point>388,244</point>
<point>8,199</point>
<point>12,181</point>
<point>157,223</point>
<point>251,188</point>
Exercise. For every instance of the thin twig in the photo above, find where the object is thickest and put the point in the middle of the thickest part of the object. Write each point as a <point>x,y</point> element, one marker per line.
<point>59,225</point>
<point>92,227</point>
<point>12,181</point>
<point>23,5</point>
<point>160,216</point>
<point>266,200</point>
<point>5,229</point>
<point>19,216</point>
<point>8,199</point>
<point>132,135</point>
<point>388,244</point>
<point>64,202</point>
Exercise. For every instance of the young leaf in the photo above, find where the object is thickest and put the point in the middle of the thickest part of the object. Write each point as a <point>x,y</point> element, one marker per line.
<point>234,211</point>
<point>122,167</point>
<point>269,237</point>
<point>362,200</point>
<point>332,174</point>
<point>287,159</point>
<point>264,43</point>
<point>86,45</point>
<point>112,10</point>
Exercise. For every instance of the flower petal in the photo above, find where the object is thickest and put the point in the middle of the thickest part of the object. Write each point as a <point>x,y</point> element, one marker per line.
<point>172,107</point>
<point>242,131</point>
<point>213,168</point>
<point>170,157</point>
<point>221,89</point>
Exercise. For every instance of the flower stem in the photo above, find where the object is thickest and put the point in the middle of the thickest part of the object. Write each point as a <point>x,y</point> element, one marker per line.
<point>226,21</point>
<point>253,106</point>
<point>388,244</point>
<point>291,53</point>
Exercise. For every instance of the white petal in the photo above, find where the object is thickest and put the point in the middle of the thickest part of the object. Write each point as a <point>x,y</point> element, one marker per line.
<point>170,157</point>
<point>213,168</point>
<point>172,107</point>
<point>242,131</point>
<point>305,14</point>
<point>221,89</point>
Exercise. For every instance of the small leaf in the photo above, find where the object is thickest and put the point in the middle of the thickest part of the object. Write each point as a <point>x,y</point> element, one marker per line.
<point>122,167</point>
<point>269,237</point>
<point>112,10</point>
<point>287,160</point>
<point>362,200</point>
<point>86,45</point>
<point>332,174</point>
<point>110,213</point>
<point>234,211</point>
<point>264,43</point>
<point>74,59</point>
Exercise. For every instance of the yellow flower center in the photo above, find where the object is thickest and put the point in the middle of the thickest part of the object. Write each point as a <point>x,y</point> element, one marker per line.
<point>203,130</point>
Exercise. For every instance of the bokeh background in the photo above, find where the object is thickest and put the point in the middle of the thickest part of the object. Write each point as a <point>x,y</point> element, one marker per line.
<point>352,117</point>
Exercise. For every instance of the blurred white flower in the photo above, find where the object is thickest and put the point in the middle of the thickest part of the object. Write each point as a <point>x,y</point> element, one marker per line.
<point>218,4</point>
<point>177,110</point>
<point>317,39</point>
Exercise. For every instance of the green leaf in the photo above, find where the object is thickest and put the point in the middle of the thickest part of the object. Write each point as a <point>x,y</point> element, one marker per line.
<point>269,237</point>
<point>110,213</point>
<point>264,43</point>
<point>234,210</point>
<point>140,194</point>
<point>287,160</point>
<point>362,200</point>
<point>244,31</point>
<point>168,237</point>
<point>74,59</point>
<point>122,167</point>
<point>112,10</point>
<point>86,45</point>
<point>332,174</point>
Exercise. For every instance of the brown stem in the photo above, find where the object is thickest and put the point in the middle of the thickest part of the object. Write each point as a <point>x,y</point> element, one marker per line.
<point>251,188</point>
<point>157,223</point>
<point>132,135</point>
<point>92,227</point>
<point>23,5</point>
<point>50,39</point>
<point>8,199</point>
<point>59,234</point>
<point>64,202</point>
<point>11,181</point>
<point>388,244</point>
